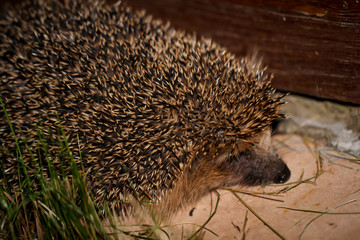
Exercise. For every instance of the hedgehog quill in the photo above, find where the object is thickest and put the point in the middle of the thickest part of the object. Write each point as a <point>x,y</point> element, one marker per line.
<point>161,115</point>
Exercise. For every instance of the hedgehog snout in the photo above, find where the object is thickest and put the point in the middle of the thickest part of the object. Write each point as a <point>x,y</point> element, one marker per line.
<point>282,175</point>
<point>260,169</point>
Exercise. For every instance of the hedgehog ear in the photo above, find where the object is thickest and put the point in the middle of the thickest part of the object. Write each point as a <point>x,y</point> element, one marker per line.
<point>234,149</point>
<point>264,139</point>
<point>221,159</point>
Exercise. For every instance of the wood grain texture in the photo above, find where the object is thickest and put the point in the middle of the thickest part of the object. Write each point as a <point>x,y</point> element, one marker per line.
<point>312,47</point>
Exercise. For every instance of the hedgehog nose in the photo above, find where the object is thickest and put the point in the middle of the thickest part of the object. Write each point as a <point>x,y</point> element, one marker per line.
<point>283,175</point>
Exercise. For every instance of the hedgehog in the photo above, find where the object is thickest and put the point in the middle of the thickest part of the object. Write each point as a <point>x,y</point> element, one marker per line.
<point>157,113</point>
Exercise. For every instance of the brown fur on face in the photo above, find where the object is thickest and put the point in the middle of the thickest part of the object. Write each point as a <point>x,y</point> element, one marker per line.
<point>256,165</point>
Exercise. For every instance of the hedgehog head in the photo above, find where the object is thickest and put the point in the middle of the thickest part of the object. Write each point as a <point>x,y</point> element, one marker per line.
<point>256,165</point>
<point>231,133</point>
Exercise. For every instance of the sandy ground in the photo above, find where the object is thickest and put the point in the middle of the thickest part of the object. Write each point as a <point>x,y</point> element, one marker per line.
<point>336,190</point>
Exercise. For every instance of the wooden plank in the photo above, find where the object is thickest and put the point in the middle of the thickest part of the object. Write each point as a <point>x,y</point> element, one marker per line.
<point>312,48</point>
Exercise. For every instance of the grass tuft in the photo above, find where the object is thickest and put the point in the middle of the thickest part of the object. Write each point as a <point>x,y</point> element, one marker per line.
<point>49,203</point>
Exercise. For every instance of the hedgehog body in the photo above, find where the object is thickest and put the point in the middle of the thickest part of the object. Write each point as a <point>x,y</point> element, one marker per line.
<point>158,113</point>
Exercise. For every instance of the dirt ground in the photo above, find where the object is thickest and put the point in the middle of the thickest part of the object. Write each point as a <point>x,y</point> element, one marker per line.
<point>334,194</point>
